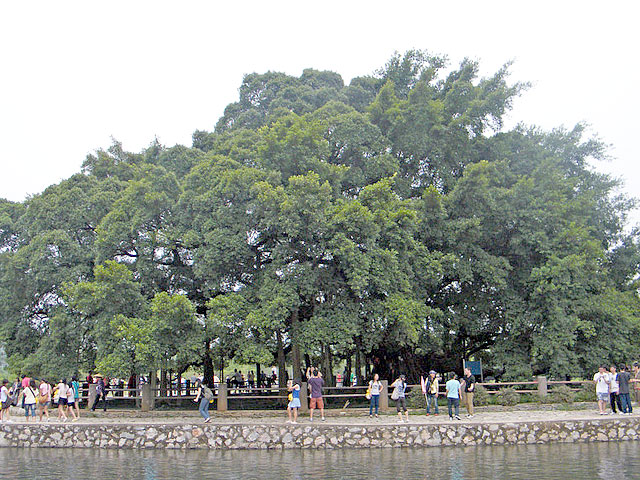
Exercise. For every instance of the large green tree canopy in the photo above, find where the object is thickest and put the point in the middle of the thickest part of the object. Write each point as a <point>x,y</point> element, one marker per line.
<point>393,220</point>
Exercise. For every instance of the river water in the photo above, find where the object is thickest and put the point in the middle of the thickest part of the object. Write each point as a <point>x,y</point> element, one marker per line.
<point>616,460</point>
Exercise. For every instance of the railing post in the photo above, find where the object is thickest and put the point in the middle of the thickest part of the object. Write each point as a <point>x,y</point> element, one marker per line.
<point>542,386</point>
<point>148,399</point>
<point>384,396</point>
<point>304,397</point>
<point>92,395</point>
<point>222,397</point>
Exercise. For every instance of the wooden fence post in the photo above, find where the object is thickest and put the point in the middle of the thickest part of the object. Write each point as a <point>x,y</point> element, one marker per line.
<point>92,395</point>
<point>148,399</point>
<point>542,386</point>
<point>304,397</point>
<point>384,396</point>
<point>222,397</point>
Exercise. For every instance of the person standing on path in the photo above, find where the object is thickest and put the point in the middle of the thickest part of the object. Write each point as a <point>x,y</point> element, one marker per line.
<point>453,396</point>
<point>469,388</point>
<point>316,383</point>
<point>29,400</point>
<point>601,379</point>
<point>294,400</point>
<point>399,389</point>
<point>624,377</point>
<point>636,382</point>
<point>375,387</point>
<point>614,389</point>
<point>432,392</point>
<point>205,395</point>
<point>44,399</point>
<point>5,402</point>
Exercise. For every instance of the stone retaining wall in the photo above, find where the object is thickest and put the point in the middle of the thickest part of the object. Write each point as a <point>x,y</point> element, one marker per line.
<point>218,436</point>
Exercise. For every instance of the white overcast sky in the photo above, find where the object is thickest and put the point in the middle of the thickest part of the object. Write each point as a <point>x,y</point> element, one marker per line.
<point>74,74</point>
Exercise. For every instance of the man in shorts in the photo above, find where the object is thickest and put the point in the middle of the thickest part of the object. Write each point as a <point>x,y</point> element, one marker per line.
<point>602,380</point>
<point>315,386</point>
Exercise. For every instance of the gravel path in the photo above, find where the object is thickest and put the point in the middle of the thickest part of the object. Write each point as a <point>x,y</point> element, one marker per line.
<point>334,417</point>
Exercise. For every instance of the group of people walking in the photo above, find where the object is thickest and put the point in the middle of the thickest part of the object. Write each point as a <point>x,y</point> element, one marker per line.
<point>32,396</point>
<point>42,396</point>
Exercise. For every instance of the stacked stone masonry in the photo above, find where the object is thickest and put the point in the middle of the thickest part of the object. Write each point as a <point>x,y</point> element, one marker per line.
<point>312,436</point>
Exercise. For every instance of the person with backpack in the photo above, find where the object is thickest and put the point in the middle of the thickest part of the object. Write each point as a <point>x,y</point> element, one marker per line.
<point>432,391</point>
<point>294,400</point>
<point>44,399</point>
<point>29,400</point>
<point>205,395</point>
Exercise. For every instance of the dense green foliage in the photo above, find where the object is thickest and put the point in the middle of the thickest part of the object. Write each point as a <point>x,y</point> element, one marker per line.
<point>392,221</point>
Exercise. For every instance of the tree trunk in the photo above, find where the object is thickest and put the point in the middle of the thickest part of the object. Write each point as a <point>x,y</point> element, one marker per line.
<point>295,348</point>
<point>367,369</point>
<point>207,365</point>
<point>307,361</point>
<point>281,364</point>
<point>347,373</point>
<point>326,365</point>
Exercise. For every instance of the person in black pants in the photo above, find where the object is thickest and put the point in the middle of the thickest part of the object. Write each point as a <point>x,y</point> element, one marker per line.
<point>614,390</point>
<point>101,393</point>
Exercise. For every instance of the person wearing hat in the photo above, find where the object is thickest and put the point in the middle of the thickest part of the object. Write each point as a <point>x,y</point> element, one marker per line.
<point>432,392</point>
<point>400,387</point>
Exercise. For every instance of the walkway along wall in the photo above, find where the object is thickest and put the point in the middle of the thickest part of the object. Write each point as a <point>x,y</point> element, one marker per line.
<point>238,436</point>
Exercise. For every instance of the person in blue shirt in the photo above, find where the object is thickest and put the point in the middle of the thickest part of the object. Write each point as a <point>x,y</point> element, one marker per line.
<point>294,402</point>
<point>453,396</point>
<point>76,394</point>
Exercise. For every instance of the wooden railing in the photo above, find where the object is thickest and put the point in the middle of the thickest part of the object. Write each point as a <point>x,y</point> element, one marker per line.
<point>146,397</point>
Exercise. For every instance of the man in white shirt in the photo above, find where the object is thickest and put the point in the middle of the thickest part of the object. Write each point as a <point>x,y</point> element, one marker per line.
<point>602,381</point>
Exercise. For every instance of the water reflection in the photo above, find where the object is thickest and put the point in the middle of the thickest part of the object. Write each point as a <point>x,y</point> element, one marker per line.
<point>549,462</point>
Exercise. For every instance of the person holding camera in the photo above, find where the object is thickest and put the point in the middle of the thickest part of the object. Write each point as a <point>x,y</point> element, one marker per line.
<point>316,382</point>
